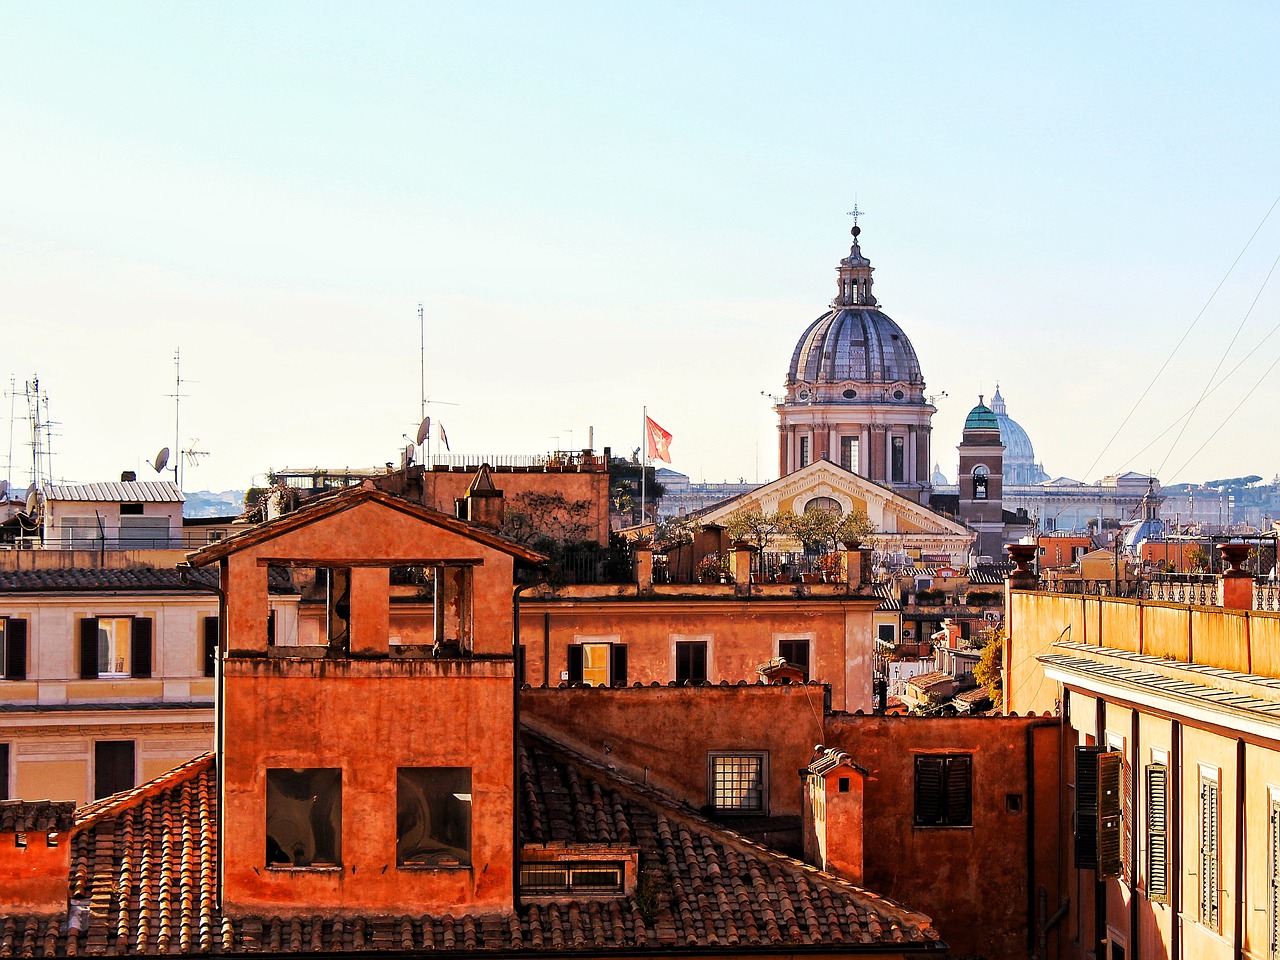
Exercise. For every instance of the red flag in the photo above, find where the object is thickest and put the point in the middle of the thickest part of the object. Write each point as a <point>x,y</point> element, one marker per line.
<point>659,440</point>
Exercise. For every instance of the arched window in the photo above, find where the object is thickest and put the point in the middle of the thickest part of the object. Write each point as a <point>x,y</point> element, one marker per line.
<point>825,504</point>
<point>980,477</point>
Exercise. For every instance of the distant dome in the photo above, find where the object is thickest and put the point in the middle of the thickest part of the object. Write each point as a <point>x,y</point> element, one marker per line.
<point>854,343</point>
<point>939,479</point>
<point>1020,467</point>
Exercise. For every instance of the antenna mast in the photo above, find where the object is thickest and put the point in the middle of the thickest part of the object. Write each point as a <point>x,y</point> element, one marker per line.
<point>177,402</point>
<point>422,363</point>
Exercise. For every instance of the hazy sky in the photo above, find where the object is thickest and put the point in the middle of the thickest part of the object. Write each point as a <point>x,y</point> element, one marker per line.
<point>608,205</point>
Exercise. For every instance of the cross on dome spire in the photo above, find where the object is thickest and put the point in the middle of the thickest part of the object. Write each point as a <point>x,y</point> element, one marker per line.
<point>853,285</point>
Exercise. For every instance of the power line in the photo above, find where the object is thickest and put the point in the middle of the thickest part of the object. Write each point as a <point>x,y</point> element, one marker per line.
<point>1185,334</point>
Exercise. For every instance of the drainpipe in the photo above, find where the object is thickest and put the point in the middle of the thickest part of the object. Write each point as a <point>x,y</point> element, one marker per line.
<point>515,740</point>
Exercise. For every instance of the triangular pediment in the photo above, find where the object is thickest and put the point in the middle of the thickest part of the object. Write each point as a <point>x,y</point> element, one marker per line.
<point>889,511</point>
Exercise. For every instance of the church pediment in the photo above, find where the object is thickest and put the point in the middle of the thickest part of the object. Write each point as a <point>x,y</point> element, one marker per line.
<point>890,512</point>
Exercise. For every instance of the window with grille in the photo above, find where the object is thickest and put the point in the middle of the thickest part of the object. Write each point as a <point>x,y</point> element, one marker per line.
<point>944,790</point>
<point>804,451</point>
<point>737,782</point>
<point>1210,872</point>
<point>1157,833</point>
<point>584,879</point>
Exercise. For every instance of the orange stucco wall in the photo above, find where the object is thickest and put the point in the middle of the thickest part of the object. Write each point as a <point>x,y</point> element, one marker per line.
<point>973,881</point>
<point>367,718</point>
<point>740,634</point>
<point>662,735</point>
<point>33,879</point>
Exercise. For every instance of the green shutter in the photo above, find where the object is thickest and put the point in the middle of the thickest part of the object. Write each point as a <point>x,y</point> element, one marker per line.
<point>1086,814</point>
<point>1110,818</point>
<point>1209,900</point>
<point>1157,833</point>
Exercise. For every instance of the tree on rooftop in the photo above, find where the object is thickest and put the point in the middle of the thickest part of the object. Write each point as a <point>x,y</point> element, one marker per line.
<point>752,525</point>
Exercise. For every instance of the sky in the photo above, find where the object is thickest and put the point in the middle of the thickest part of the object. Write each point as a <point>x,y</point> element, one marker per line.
<point>607,207</point>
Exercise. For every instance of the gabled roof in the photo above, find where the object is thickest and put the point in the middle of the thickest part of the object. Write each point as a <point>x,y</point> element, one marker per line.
<point>126,491</point>
<point>332,504</point>
<point>143,880</point>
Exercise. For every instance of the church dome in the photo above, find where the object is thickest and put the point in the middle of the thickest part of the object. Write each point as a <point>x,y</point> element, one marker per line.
<point>981,418</point>
<point>854,343</point>
<point>1020,465</point>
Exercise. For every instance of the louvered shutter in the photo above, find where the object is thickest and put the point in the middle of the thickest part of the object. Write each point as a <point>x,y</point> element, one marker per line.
<point>210,645</point>
<point>618,665</point>
<point>1157,833</point>
<point>575,663</point>
<point>1110,819</point>
<point>15,649</point>
<point>1273,906</point>
<point>1086,815</point>
<point>959,812</point>
<point>89,648</point>
<point>1209,853</point>
<point>930,777</point>
<point>140,648</point>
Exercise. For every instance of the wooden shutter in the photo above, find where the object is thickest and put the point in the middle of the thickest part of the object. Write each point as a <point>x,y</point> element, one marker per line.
<point>140,648</point>
<point>1209,853</point>
<point>15,649</point>
<point>89,648</point>
<point>1086,813</point>
<point>618,665</point>
<point>1157,833</point>
<point>930,778</point>
<point>1273,891</point>
<point>210,645</point>
<point>271,628</point>
<point>575,663</point>
<point>113,767</point>
<point>1110,819</point>
<point>959,810</point>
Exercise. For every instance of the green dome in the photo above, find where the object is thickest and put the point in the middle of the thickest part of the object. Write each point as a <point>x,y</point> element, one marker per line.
<point>981,417</point>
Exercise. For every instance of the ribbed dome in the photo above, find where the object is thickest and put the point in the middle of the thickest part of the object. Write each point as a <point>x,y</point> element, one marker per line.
<point>981,418</point>
<point>1020,465</point>
<point>854,343</point>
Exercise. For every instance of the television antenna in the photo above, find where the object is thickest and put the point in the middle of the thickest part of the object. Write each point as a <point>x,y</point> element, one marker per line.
<point>424,427</point>
<point>191,455</point>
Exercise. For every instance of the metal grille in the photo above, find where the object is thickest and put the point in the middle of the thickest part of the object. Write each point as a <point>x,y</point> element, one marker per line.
<point>737,783</point>
<point>583,879</point>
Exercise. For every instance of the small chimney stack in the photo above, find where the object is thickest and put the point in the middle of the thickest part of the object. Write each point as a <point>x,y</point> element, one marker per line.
<point>128,476</point>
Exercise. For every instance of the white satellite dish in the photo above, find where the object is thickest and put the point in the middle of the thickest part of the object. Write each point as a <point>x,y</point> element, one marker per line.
<point>32,502</point>
<point>4,488</point>
<point>407,455</point>
<point>424,431</point>
<point>162,459</point>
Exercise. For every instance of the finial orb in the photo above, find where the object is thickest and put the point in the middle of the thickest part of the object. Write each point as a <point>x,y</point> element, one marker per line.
<point>856,230</point>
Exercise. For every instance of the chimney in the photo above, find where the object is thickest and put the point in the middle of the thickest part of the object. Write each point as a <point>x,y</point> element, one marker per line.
<point>35,855</point>
<point>483,503</point>
<point>128,476</point>
<point>834,787</point>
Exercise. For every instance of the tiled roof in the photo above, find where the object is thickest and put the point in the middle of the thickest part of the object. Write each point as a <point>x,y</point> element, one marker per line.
<point>134,578</point>
<point>826,759</point>
<point>976,695</point>
<point>143,880</point>
<point>933,678</point>
<point>128,491</point>
<point>35,816</point>
<point>889,597</point>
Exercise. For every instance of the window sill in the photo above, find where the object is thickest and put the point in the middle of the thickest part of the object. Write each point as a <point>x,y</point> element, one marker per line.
<point>318,868</point>
<point>432,867</point>
<point>942,826</point>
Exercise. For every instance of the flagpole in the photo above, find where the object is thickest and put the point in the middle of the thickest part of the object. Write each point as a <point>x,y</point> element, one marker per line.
<point>644,457</point>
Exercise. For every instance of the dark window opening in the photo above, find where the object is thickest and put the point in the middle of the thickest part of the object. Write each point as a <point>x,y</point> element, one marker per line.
<point>980,483</point>
<point>13,648</point>
<point>113,767</point>
<point>433,816</point>
<point>737,782</point>
<point>210,645</point>
<point>691,661</point>
<point>304,817</point>
<point>898,459</point>
<point>844,784</point>
<point>796,653</point>
<point>4,772</point>
<point>130,509</point>
<point>804,451</point>
<point>572,879</point>
<point>943,790</point>
<point>1013,803</point>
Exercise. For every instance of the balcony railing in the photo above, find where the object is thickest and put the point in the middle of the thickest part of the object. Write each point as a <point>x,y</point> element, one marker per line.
<point>185,541</point>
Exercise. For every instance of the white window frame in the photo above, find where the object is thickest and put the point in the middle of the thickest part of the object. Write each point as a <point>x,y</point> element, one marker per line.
<point>707,638</point>
<point>115,643</point>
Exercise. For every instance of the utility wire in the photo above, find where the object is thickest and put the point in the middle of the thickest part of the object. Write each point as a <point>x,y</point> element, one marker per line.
<point>1204,392</point>
<point>1186,333</point>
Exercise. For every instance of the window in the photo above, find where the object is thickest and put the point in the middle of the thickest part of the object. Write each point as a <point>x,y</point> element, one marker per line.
<point>1099,777</point>
<point>80,533</point>
<point>131,510</point>
<point>737,782</point>
<point>4,772</point>
<point>796,653</point>
<point>1157,832</point>
<point>943,790</point>
<point>115,647</point>
<point>144,532</point>
<point>980,476</point>
<point>13,648</point>
<point>304,817</point>
<point>898,458</point>
<point>582,879</point>
<point>804,451</point>
<point>598,664</point>
<point>1210,895</point>
<point>113,767</point>
<point>885,632</point>
<point>210,645</point>
<point>824,505</point>
<point>849,451</point>
<point>433,816</point>
<point>691,661</point>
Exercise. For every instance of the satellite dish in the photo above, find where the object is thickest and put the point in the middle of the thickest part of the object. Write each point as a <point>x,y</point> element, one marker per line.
<point>407,456</point>
<point>424,430</point>
<point>4,488</point>
<point>162,459</point>
<point>32,502</point>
